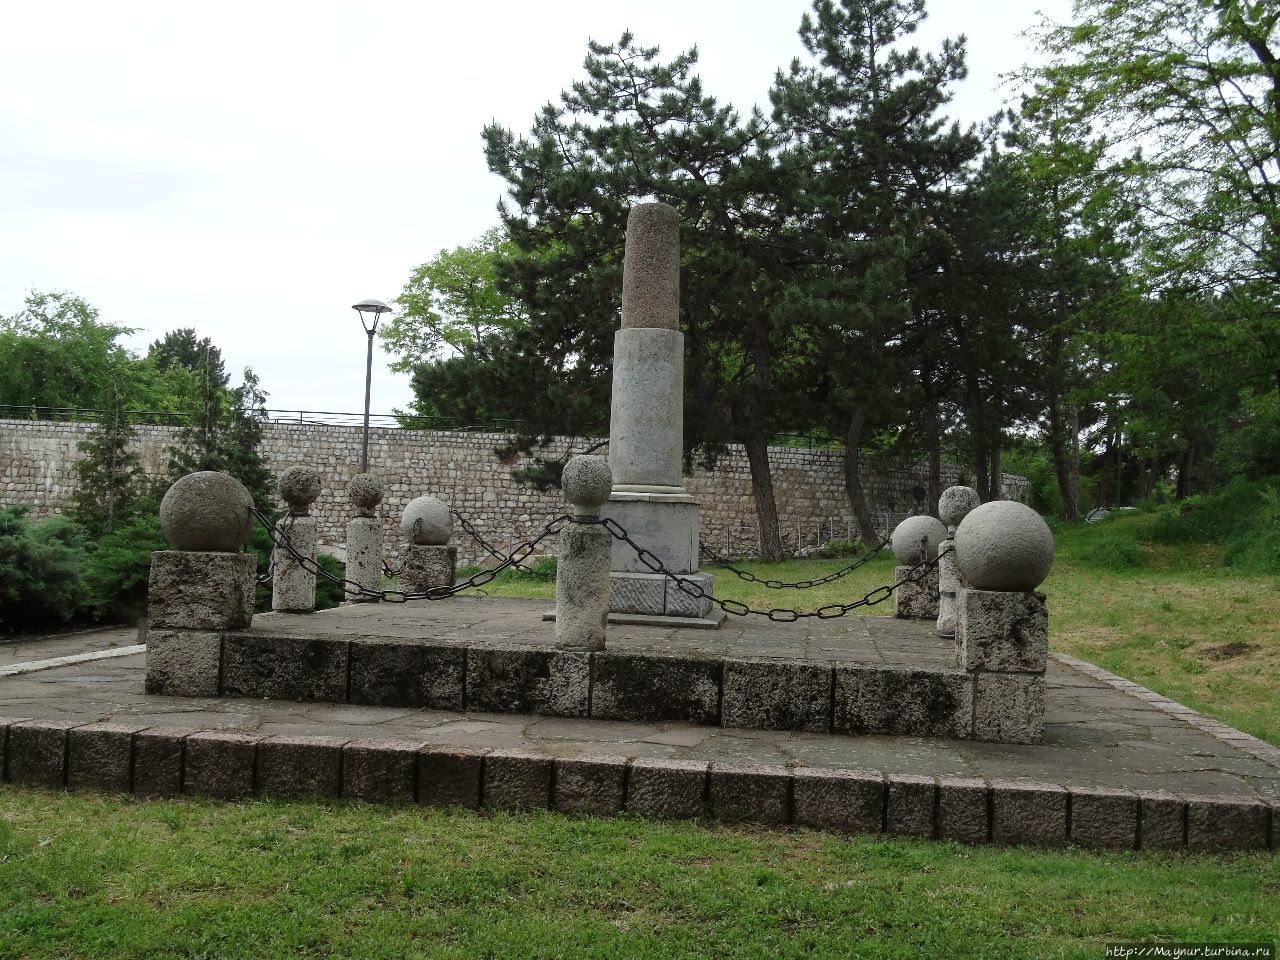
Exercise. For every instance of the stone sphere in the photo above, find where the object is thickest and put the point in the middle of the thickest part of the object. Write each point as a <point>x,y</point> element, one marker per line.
<point>1004,545</point>
<point>365,492</point>
<point>299,487</point>
<point>906,537</point>
<point>587,482</point>
<point>206,511</point>
<point>956,503</point>
<point>427,521</point>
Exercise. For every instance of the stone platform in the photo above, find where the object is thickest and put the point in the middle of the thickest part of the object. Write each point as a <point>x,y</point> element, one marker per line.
<point>853,675</point>
<point>1119,765</point>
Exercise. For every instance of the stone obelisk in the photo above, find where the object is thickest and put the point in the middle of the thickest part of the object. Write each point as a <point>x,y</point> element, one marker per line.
<point>646,430</point>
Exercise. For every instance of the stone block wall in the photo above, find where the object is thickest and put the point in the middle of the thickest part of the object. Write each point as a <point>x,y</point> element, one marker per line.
<point>37,468</point>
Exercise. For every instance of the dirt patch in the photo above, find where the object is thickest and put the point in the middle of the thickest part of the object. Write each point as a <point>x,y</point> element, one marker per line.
<point>1228,651</point>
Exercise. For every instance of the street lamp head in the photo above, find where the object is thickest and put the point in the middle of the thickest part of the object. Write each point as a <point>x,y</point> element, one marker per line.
<point>375,307</point>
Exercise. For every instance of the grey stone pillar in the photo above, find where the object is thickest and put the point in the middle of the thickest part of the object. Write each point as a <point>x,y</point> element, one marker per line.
<point>646,428</point>
<point>582,569</point>
<point>428,562</point>
<point>915,540</point>
<point>202,587</point>
<point>364,537</point>
<point>953,506</point>
<point>293,586</point>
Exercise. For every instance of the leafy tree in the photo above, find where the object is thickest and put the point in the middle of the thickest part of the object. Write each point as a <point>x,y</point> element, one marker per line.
<point>110,484</point>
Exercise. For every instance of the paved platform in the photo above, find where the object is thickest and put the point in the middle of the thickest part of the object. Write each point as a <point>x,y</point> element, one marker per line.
<point>1119,766</point>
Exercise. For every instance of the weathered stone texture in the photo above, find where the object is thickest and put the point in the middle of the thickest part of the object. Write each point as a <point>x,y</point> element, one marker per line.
<point>450,777</point>
<point>1009,708</point>
<point>284,668</point>
<point>914,702</point>
<point>582,587</point>
<point>183,663</point>
<point>916,599</point>
<point>529,680</point>
<point>776,695</point>
<point>201,591</point>
<point>667,788</point>
<point>911,801</point>
<point>428,566</point>
<point>655,688</point>
<point>293,586</point>
<point>157,761</point>
<point>761,794</point>
<point>517,780</point>
<point>851,801</point>
<point>100,756</point>
<point>1161,821</point>
<point>1025,812</point>
<point>219,765</point>
<point>402,674</point>
<point>300,766</point>
<point>379,770</point>
<point>962,810</point>
<point>594,785</point>
<point>364,556</point>
<point>1104,818</point>
<point>1226,823</point>
<point>37,752</point>
<point>1006,632</point>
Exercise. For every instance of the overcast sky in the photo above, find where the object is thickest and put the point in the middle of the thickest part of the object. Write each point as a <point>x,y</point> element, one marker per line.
<point>253,169</point>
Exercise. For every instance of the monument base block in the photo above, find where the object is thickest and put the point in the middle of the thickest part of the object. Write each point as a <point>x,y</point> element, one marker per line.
<point>655,595</point>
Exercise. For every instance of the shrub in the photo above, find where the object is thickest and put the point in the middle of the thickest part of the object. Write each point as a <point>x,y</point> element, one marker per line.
<point>116,572</point>
<point>328,593</point>
<point>1116,549</point>
<point>839,549</point>
<point>40,570</point>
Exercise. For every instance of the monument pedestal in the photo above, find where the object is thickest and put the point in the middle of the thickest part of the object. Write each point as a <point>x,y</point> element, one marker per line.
<point>663,521</point>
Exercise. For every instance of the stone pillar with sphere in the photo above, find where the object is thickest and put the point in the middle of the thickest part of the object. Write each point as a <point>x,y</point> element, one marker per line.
<point>429,562</point>
<point>201,588</point>
<point>582,569</point>
<point>364,539</point>
<point>914,541</point>
<point>953,506</point>
<point>1004,550</point>
<point>646,431</point>
<point>293,585</point>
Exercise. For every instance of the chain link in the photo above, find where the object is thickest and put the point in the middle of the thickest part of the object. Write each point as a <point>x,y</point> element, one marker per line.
<point>493,551</point>
<point>747,575</point>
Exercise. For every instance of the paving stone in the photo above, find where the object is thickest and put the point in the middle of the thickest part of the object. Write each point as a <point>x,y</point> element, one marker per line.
<point>1002,631</point>
<point>380,770</point>
<point>594,785</point>
<point>1104,818</point>
<point>284,668</point>
<point>37,752</point>
<point>201,590</point>
<point>963,809</point>
<point>899,701</point>
<point>1008,708</point>
<point>529,680</point>
<point>1226,823</point>
<point>100,756</point>
<point>450,776</point>
<point>218,764</point>
<point>401,674</point>
<point>183,663</point>
<point>667,788</point>
<point>157,761</point>
<point>300,766</point>
<point>761,794</point>
<point>1028,812</point>
<point>775,695</point>
<point>655,688</point>
<point>910,807</point>
<point>517,780</point>
<point>851,801</point>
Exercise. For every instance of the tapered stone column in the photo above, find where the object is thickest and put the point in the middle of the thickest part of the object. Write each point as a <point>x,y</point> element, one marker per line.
<point>646,430</point>
<point>582,572</point>
<point>293,586</point>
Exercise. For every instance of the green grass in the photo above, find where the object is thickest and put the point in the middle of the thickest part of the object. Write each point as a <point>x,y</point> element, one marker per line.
<point>88,876</point>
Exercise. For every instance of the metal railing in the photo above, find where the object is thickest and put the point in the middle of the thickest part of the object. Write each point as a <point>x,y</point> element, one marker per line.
<point>394,421</point>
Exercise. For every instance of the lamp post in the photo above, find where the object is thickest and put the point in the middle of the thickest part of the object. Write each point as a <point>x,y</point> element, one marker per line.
<point>376,308</point>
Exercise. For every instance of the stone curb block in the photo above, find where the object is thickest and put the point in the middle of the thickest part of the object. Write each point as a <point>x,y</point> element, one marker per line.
<point>1104,818</point>
<point>964,805</point>
<point>769,695</point>
<point>1026,812</point>
<point>756,793</point>
<point>380,770</point>
<point>158,761</point>
<point>517,780</point>
<point>37,752</point>
<point>1162,821</point>
<point>1225,823</point>
<point>850,801</point>
<point>595,785</point>
<point>219,765</point>
<point>552,683</point>
<point>285,668</point>
<point>5,724</point>
<point>299,766</point>
<point>909,805</point>
<point>667,788</point>
<point>656,688</point>
<point>100,756</point>
<point>450,777</point>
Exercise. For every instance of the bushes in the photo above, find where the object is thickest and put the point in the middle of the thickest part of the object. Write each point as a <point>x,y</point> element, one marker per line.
<point>117,570</point>
<point>1244,518</point>
<point>839,549</point>
<point>40,570</point>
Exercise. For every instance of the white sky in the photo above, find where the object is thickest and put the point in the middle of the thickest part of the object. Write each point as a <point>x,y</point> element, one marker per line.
<point>252,169</point>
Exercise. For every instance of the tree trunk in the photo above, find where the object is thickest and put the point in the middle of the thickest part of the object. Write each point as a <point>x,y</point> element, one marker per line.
<point>997,477</point>
<point>1184,472</point>
<point>1060,452</point>
<point>935,474</point>
<point>853,477</point>
<point>756,442</point>
<point>1071,496</point>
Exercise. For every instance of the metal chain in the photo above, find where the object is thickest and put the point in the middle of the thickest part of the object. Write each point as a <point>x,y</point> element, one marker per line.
<point>493,551</point>
<point>747,575</point>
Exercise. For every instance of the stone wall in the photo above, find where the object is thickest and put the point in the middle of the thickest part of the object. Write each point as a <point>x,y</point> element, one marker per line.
<point>37,461</point>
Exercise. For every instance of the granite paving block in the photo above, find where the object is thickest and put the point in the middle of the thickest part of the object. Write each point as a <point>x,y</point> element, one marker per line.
<point>1028,812</point>
<point>157,761</point>
<point>5,724</point>
<point>667,788</point>
<point>37,752</point>
<point>398,673</point>
<point>300,766</point>
<point>1104,818</point>
<point>1226,823</point>
<point>851,801</point>
<point>218,764</point>
<point>761,794</point>
<point>595,785</point>
<point>284,668</point>
<point>911,803</point>
<point>529,680</point>
<point>517,780</point>
<point>655,688</point>
<point>100,756</point>
<point>776,695</point>
<point>963,809</point>
<point>450,776</point>
<point>183,663</point>
<point>902,701</point>
<point>1008,708</point>
<point>1162,821</point>
<point>380,770</point>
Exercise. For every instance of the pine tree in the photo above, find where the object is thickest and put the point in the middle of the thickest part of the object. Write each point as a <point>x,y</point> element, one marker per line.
<point>110,479</point>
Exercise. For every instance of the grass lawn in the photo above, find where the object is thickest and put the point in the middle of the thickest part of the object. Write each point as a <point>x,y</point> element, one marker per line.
<point>101,876</point>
